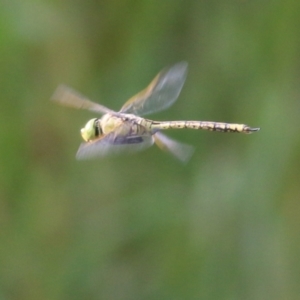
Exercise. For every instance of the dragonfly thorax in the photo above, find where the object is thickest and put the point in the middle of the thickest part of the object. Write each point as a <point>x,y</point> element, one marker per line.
<point>91,130</point>
<point>109,123</point>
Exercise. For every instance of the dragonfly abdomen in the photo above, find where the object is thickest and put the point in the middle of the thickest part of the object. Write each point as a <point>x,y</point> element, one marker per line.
<point>204,125</point>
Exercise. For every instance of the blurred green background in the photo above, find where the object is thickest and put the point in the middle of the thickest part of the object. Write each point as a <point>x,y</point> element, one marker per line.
<point>225,226</point>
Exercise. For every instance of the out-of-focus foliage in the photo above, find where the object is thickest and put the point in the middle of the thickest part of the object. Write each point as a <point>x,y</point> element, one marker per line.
<point>225,226</point>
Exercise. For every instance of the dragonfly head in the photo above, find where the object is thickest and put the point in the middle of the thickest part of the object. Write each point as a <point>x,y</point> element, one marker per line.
<point>90,130</point>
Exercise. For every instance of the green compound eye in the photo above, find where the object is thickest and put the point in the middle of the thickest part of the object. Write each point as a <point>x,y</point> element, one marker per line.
<point>88,133</point>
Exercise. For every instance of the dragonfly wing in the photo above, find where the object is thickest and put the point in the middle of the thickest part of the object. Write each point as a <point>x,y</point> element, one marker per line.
<point>161,93</point>
<point>68,97</point>
<point>181,151</point>
<point>112,145</point>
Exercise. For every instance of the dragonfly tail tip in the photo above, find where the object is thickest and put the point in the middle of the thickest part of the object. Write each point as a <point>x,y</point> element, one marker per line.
<point>251,130</point>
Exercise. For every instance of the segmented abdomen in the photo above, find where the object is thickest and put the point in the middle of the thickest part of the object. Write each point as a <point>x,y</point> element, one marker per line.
<point>204,125</point>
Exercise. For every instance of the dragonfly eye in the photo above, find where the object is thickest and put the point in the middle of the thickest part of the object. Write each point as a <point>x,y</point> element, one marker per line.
<point>90,130</point>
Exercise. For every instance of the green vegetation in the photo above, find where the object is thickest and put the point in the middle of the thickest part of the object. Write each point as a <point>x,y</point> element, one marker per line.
<point>224,226</point>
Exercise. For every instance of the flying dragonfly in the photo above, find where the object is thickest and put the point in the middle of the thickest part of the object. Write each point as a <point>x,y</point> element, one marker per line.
<point>127,131</point>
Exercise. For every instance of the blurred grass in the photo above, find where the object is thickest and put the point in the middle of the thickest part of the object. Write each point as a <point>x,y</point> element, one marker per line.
<point>225,226</point>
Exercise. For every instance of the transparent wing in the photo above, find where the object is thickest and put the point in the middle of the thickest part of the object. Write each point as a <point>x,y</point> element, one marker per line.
<point>181,151</point>
<point>161,93</point>
<point>112,145</point>
<point>68,97</point>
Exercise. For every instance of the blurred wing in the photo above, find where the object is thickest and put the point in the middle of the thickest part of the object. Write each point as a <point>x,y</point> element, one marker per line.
<point>181,151</point>
<point>68,97</point>
<point>161,93</point>
<point>112,145</point>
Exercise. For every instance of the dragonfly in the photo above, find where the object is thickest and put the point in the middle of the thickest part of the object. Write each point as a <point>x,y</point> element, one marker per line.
<point>127,131</point>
